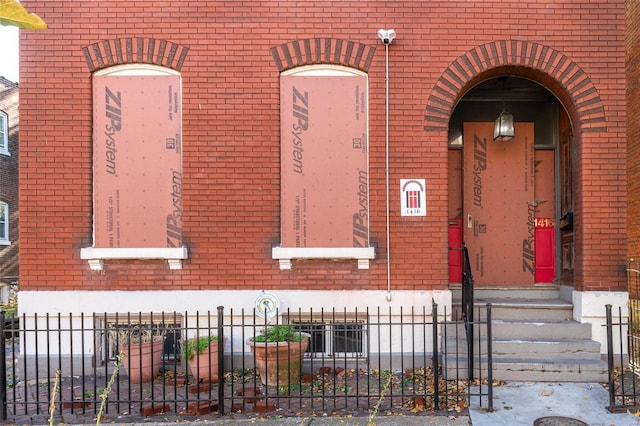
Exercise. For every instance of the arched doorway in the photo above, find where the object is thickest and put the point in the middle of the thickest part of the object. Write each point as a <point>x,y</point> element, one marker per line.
<point>506,198</point>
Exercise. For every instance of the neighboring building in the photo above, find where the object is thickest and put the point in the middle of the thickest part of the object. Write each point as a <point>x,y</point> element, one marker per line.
<point>9,117</point>
<point>632,37</point>
<point>181,157</point>
<point>633,126</point>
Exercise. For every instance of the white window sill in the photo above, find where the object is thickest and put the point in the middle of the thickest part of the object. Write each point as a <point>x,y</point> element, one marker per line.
<point>95,256</point>
<point>5,243</point>
<point>285,254</point>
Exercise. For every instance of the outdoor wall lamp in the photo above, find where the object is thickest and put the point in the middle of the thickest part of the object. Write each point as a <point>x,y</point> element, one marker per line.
<point>503,129</point>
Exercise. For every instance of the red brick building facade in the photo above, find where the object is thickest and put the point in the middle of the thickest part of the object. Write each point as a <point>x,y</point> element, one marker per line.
<point>230,68</point>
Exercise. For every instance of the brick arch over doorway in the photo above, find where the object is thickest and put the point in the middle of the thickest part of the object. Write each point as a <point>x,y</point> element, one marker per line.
<point>323,51</point>
<point>536,61</point>
<point>132,50</point>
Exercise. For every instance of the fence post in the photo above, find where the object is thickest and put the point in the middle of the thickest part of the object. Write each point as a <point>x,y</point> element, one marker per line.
<point>612,390</point>
<point>220,361</point>
<point>489,358</point>
<point>435,355</point>
<point>3,367</point>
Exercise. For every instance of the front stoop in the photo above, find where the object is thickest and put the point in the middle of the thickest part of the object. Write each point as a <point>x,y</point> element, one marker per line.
<point>534,338</point>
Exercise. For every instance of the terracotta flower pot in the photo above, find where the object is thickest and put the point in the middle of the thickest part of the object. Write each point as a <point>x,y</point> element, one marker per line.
<point>204,366</point>
<point>142,360</point>
<point>279,363</point>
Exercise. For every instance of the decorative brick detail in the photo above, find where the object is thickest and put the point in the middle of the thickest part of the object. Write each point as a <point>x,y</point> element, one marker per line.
<point>563,76</point>
<point>323,50</point>
<point>107,53</point>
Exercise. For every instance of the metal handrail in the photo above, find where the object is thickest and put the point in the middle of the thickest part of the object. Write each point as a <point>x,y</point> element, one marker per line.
<point>467,306</point>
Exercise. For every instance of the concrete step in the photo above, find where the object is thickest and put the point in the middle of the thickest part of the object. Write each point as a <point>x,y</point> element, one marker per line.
<point>534,337</point>
<point>532,369</point>
<point>522,330</point>
<point>535,292</point>
<point>547,330</point>
<point>531,348</point>
<point>516,308</point>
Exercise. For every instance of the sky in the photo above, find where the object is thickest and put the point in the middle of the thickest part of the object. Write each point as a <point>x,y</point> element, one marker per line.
<point>9,52</point>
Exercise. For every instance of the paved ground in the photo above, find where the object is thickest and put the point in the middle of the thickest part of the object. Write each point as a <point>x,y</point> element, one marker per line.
<point>307,421</point>
<point>380,421</point>
<point>522,403</point>
<point>515,403</point>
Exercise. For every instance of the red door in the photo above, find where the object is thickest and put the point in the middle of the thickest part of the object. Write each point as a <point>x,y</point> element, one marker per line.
<point>545,250</point>
<point>455,215</point>
<point>545,230</point>
<point>455,250</point>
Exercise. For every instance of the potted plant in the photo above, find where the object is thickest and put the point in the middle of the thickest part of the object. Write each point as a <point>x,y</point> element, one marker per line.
<point>141,347</point>
<point>202,357</point>
<point>278,354</point>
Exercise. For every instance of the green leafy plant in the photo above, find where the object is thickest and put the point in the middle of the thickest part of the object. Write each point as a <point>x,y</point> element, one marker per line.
<point>197,346</point>
<point>10,310</point>
<point>279,333</point>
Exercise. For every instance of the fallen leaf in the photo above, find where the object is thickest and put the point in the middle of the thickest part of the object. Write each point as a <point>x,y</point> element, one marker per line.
<point>13,13</point>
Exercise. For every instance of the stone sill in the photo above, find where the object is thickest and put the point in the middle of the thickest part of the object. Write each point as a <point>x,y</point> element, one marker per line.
<point>285,254</point>
<point>96,256</point>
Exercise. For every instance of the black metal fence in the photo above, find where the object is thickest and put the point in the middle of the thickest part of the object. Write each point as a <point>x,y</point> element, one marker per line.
<point>352,362</point>
<point>623,383</point>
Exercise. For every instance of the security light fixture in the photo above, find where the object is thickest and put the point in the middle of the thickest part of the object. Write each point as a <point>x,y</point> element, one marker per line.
<point>386,36</point>
<point>503,129</point>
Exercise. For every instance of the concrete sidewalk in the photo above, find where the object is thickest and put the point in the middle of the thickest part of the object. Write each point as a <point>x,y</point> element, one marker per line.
<point>326,421</point>
<point>353,421</point>
<point>522,403</point>
<point>515,403</point>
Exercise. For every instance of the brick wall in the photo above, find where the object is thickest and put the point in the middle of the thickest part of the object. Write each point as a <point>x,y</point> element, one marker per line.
<point>632,14</point>
<point>231,133</point>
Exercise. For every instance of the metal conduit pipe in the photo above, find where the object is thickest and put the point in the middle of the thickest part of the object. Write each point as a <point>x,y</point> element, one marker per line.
<point>387,36</point>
